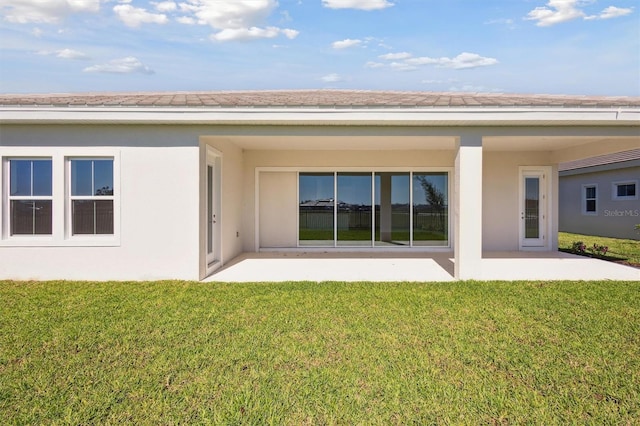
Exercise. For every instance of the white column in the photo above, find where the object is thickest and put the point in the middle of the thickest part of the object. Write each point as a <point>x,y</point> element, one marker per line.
<point>468,208</point>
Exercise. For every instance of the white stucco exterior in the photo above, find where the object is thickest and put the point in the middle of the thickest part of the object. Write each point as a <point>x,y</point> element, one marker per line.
<point>161,190</point>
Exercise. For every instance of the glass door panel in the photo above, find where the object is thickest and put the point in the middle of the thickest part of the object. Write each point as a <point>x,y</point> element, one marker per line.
<point>392,206</point>
<point>316,209</point>
<point>532,207</point>
<point>430,209</point>
<point>354,209</point>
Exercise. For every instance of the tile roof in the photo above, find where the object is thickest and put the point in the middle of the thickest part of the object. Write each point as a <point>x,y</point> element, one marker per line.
<point>315,99</point>
<point>601,160</point>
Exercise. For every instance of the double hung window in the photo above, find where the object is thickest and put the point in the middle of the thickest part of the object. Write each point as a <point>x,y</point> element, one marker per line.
<point>589,199</point>
<point>92,196</point>
<point>30,196</point>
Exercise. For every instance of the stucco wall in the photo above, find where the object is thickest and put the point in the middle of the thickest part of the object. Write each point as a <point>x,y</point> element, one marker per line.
<point>159,222</point>
<point>330,159</point>
<point>231,196</point>
<point>500,197</point>
<point>500,184</point>
<point>614,218</point>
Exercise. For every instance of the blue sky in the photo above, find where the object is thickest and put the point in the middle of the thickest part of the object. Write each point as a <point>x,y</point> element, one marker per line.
<point>589,47</point>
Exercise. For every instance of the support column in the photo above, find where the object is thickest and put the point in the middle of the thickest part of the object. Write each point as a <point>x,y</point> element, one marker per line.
<point>467,220</point>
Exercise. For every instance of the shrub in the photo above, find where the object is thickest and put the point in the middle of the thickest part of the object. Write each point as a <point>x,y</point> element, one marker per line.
<point>578,247</point>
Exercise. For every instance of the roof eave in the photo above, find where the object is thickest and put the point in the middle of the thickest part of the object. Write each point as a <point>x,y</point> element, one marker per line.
<point>314,116</point>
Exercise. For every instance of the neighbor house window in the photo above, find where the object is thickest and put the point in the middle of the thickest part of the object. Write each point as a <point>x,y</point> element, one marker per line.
<point>91,196</point>
<point>589,199</point>
<point>625,190</point>
<point>30,196</point>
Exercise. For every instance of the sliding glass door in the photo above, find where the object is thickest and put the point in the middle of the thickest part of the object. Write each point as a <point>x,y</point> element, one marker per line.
<point>316,198</point>
<point>392,205</point>
<point>354,209</point>
<point>379,209</point>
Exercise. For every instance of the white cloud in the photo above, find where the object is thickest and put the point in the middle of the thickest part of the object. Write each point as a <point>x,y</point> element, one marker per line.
<point>64,54</point>
<point>372,64</point>
<point>165,6</point>
<point>395,56</point>
<point>128,65</point>
<point>466,60</point>
<point>253,33</point>
<point>44,11</point>
<point>357,4</point>
<point>558,11</point>
<point>555,12</point>
<point>407,63</point>
<point>402,66</point>
<point>611,12</point>
<point>71,54</point>
<point>230,14</point>
<point>235,19</point>
<point>346,43</point>
<point>187,20</point>
<point>134,16</point>
<point>332,78</point>
<point>37,32</point>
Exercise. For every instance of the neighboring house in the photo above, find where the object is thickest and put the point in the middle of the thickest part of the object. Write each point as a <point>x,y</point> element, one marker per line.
<point>599,195</point>
<point>174,185</point>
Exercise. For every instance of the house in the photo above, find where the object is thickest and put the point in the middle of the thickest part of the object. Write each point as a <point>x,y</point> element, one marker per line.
<point>599,195</point>
<point>121,186</point>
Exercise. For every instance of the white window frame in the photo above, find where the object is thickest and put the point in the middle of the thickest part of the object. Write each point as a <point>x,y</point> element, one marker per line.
<point>61,213</point>
<point>614,190</point>
<point>10,198</point>
<point>584,199</point>
<point>71,198</point>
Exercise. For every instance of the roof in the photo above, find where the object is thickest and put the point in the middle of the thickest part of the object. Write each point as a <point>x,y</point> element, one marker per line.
<point>316,99</point>
<point>627,157</point>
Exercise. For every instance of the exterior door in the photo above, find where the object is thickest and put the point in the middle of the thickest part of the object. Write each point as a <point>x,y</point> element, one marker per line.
<point>213,211</point>
<point>533,208</point>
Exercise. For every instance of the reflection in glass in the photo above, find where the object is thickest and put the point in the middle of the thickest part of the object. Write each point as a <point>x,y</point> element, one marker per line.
<point>81,177</point>
<point>430,209</point>
<point>354,209</point>
<point>532,207</point>
<point>30,178</point>
<point>91,177</point>
<point>316,209</point>
<point>92,217</point>
<point>31,217</point>
<point>392,220</point>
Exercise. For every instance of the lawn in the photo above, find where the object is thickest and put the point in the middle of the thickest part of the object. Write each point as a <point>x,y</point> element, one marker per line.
<point>628,250</point>
<point>328,353</point>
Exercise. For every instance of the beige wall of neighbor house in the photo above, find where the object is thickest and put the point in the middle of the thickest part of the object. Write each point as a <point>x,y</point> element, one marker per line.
<point>613,216</point>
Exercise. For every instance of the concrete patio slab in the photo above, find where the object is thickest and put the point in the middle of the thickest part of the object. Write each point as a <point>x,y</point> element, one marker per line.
<point>425,267</point>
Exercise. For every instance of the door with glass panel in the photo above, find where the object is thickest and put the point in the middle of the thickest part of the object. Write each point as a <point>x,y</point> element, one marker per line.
<point>533,199</point>
<point>213,202</point>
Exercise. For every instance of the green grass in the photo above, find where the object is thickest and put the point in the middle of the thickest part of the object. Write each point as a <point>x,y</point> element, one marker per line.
<point>618,247</point>
<point>328,353</point>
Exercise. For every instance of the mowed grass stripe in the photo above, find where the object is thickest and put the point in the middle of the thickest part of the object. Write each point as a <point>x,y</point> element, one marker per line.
<point>329,353</point>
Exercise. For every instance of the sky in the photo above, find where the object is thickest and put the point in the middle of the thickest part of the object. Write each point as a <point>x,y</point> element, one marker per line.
<point>579,47</point>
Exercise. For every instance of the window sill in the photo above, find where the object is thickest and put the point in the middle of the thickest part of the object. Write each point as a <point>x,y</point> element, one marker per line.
<point>110,241</point>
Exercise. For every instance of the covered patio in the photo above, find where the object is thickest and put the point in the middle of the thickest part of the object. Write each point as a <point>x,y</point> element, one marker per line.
<point>424,267</point>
